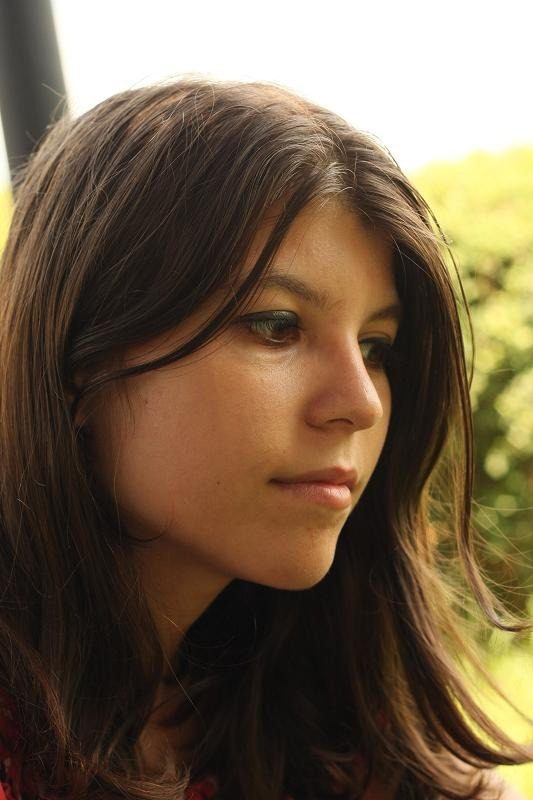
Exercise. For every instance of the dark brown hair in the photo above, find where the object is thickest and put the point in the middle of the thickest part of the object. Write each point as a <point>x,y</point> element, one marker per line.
<point>126,220</point>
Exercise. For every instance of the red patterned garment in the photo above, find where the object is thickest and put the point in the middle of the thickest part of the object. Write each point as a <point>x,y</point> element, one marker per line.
<point>10,758</point>
<point>11,779</point>
<point>202,790</point>
<point>11,782</point>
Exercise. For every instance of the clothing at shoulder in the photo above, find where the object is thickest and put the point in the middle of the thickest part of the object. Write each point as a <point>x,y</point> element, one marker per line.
<point>10,758</point>
<point>207,789</point>
<point>11,787</point>
<point>202,790</point>
<point>11,762</point>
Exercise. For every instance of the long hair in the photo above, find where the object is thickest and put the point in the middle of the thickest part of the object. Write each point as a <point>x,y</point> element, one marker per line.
<point>126,220</point>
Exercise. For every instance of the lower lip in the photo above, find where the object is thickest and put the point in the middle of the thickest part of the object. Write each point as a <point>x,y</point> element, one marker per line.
<point>326,494</point>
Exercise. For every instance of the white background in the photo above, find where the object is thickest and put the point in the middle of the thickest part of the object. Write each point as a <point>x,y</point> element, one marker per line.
<point>433,80</point>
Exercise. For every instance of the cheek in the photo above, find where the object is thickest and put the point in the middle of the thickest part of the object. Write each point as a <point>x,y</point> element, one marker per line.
<point>378,433</point>
<point>386,402</point>
<point>182,443</point>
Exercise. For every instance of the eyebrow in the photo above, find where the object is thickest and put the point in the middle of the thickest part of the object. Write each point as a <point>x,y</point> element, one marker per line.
<point>320,299</point>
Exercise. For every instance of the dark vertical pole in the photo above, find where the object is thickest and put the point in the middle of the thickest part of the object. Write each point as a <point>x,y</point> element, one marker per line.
<point>32,89</point>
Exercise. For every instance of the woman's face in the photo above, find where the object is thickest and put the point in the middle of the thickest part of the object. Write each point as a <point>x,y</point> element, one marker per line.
<point>193,454</point>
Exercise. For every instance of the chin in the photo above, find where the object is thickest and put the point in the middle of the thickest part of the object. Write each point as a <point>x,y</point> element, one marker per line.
<point>297,579</point>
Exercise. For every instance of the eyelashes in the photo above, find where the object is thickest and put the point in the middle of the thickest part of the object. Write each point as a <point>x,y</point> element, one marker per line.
<point>280,328</point>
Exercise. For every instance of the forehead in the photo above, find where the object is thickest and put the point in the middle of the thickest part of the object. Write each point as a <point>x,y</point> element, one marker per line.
<point>328,254</point>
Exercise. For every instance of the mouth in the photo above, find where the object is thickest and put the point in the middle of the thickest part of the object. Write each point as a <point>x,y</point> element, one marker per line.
<point>331,476</point>
<point>337,496</point>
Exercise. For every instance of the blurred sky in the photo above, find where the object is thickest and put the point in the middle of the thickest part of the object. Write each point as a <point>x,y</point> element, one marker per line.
<point>433,80</point>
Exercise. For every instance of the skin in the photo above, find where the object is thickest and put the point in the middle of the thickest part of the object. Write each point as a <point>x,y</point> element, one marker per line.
<point>191,453</point>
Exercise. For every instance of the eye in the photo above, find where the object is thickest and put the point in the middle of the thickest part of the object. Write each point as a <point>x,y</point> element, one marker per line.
<point>277,328</point>
<point>270,325</point>
<point>378,352</point>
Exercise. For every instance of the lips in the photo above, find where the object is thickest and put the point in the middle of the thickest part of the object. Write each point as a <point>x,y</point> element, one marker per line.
<point>331,475</point>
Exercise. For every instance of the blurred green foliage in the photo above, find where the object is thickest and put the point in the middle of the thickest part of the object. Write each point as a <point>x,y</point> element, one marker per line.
<point>511,667</point>
<point>484,205</point>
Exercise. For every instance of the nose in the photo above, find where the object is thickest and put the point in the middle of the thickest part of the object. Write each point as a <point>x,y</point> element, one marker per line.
<point>347,390</point>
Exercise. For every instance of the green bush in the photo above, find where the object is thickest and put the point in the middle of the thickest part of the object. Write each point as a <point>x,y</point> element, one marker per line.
<point>484,205</point>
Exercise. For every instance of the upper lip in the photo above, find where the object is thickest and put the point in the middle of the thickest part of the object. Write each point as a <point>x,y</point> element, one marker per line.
<point>334,475</point>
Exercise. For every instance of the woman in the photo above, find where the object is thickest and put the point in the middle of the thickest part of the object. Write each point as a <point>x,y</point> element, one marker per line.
<point>232,373</point>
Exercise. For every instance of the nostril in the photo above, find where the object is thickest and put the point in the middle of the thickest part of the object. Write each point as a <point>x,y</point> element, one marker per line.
<point>350,390</point>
